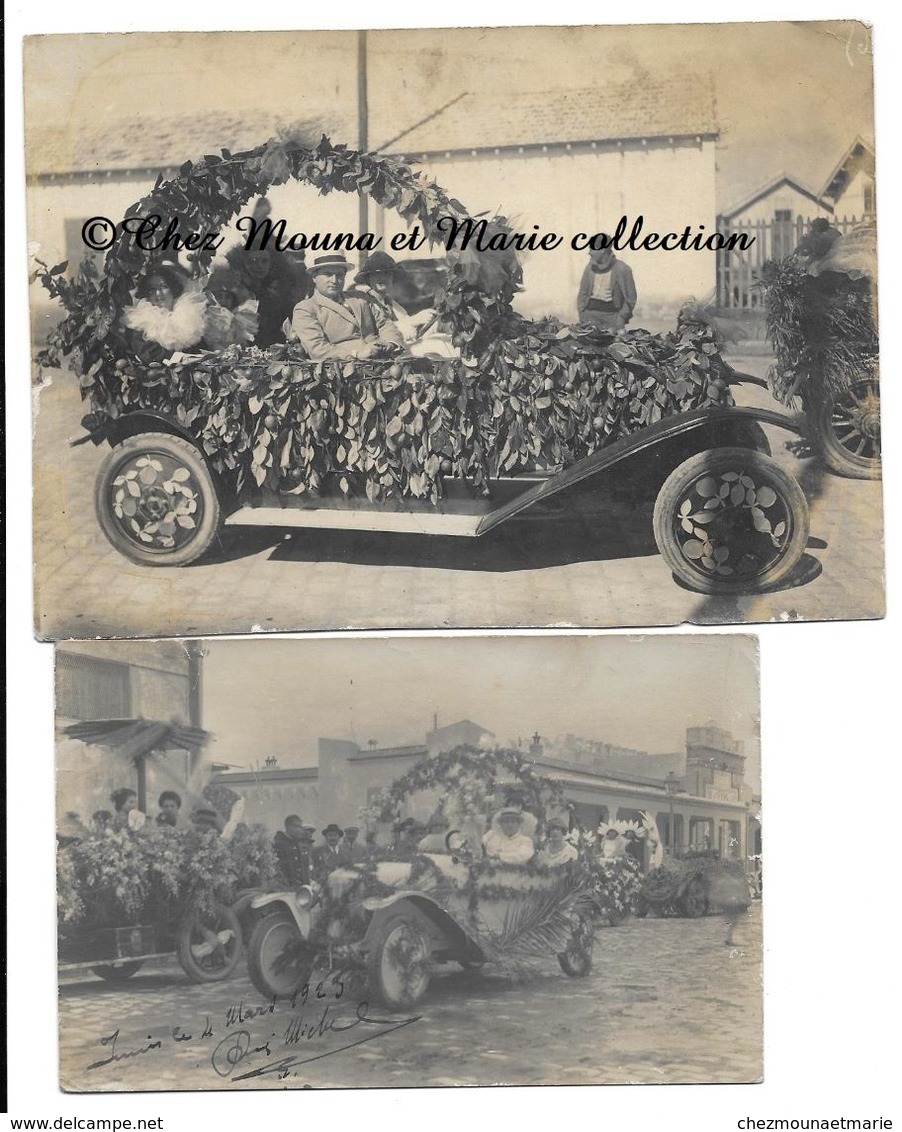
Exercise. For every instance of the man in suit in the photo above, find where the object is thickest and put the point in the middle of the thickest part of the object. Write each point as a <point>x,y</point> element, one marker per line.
<point>332,325</point>
<point>351,851</point>
<point>293,851</point>
<point>329,856</point>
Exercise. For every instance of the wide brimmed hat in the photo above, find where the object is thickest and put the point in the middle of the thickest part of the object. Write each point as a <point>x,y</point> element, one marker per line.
<point>329,263</point>
<point>333,828</point>
<point>379,263</point>
<point>306,833</point>
<point>352,829</point>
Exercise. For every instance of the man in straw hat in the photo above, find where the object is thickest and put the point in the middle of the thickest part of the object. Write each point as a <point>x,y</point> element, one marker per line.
<point>332,325</point>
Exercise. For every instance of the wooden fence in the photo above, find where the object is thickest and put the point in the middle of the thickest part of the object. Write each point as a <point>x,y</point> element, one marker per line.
<point>737,271</point>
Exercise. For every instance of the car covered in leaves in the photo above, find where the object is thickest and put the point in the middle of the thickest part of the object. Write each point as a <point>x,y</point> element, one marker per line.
<point>400,914</point>
<point>698,884</point>
<point>455,446</point>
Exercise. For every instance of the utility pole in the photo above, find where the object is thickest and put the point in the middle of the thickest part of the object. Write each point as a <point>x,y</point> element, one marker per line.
<point>362,134</point>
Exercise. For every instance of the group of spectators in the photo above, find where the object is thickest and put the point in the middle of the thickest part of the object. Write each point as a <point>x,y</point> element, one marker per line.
<point>126,814</point>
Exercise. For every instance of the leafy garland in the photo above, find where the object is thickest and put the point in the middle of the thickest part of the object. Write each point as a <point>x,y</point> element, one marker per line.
<point>477,773</point>
<point>523,394</point>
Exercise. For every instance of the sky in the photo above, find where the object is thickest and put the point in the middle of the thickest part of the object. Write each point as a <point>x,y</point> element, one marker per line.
<point>277,697</point>
<point>790,96</point>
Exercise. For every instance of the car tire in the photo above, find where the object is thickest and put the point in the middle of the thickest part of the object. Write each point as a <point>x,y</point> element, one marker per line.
<point>156,500</point>
<point>747,545</point>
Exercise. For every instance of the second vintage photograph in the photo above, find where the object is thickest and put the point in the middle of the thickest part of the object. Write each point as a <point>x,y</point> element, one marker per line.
<point>409,862</point>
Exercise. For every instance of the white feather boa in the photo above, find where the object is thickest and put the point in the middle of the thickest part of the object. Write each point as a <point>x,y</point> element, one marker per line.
<point>178,329</point>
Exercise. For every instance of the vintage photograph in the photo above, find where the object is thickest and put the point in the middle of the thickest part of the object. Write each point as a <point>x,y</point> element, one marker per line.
<point>500,327</point>
<point>408,862</point>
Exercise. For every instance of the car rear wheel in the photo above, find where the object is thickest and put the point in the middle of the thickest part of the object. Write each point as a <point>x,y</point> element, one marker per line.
<point>208,945</point>
<point>156,500</point>
<point>846,430</point>
<point>576,961</point>
<point>731,521</point>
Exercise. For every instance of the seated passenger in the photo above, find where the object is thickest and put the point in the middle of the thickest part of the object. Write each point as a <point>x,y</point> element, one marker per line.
<point>375,284</point>
<point>435,839</point>
<point>505,843</point>
<point>556,851</point>
<point>172,313</point>
<point>331,325</point>
<point>261,278</point>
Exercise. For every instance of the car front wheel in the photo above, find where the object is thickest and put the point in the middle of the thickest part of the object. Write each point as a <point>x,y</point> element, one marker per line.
<point>156,500</point>
<point>279,960</point>
<point>399,961</point>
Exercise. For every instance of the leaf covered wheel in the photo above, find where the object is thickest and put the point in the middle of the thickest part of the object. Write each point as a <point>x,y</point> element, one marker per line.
<point>279,959</point>
<point>208,944</point>
<point>846,430</point>
<point>156,500</point>
<point>399,960</point>
<point>730,520</point>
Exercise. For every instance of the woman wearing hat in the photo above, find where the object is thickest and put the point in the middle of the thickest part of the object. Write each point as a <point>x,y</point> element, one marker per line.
<point>505,842</point>
<point>375,283</point>
<point>172,313</point>
<point>557,852</point>
<point>331,324</point>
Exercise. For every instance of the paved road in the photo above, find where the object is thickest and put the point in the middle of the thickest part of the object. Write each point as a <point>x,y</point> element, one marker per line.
<point>667,1002</point>
<point>593,567</point>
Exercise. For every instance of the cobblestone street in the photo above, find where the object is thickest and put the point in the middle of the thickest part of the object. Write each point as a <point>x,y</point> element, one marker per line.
<point>667,1002</point>
<point>595,568</point>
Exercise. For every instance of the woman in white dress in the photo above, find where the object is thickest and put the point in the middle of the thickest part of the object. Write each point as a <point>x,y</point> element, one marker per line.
<point>506,843</point>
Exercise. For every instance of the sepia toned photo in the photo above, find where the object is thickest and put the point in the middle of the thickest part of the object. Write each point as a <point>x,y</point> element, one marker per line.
<point>500,327</point>
<point>410,862</point>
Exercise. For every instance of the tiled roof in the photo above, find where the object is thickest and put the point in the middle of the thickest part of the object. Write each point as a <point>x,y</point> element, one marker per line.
<point>156,143</point>
<point>672,107</point>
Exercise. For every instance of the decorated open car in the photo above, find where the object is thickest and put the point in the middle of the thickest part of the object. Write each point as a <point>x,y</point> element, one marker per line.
<point>526,410</point>
<point>407,909</point>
